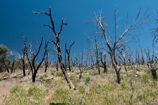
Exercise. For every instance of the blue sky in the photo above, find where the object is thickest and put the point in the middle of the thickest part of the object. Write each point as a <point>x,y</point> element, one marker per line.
<point>17,20</point>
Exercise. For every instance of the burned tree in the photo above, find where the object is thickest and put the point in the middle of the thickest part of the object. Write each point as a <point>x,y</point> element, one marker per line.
<point>46,62</point>
<point>114,45</point>
<point>151,66</point>
<point>68,55</point>
<point>81,71</point>
<point>122,54</point>
<point>65,56</point>
<point>24,55</point>
<point>32,62</point>
<point>103,62</point>
<point>57,44</point>
<point>13,64</point>
<point>97,56</point>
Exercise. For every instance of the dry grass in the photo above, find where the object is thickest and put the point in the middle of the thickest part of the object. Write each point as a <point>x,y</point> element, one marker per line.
<point>136,88</point>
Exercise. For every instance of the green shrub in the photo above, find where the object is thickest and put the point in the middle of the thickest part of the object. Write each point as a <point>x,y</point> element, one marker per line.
<point>41,77</point>
<point>81,89</point>
<point>138,76</point>
<point>72,77</point>
<point>61,91</point>
<point>123,84</point>
<point>37,92</point>
<point>87,80</point>
<point>48,81</point>
<point>61,95</point>
<point>45,75</point>
<point>145,78</point>
<point>16,88</point>
<point>52,73</point>
<point>122,77</point>
<point>60,74</point>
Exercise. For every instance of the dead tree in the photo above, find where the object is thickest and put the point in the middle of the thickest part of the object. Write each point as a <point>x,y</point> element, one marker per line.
<point>81,71</point>
<point>80,65</point>
<point>142,57</point>
<point>32,61</point>
<point>46,62</point>
<point>57,44</point>
<point>103,62</point>
<point>57,65</point>
<point>65,55</point>
<point>68,55</point>
<point>24,55</point>
<point>91,55</point>
<point>115,44</point>
<point>97,56</point>
<point>151,66</point>
<point>13,66</point>
<point>123,56</point>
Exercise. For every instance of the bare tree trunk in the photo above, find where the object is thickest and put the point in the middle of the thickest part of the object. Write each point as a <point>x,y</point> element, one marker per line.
<point>46,63</point>
<point>153,71</point>
<point>68,55</point>
<point>34,76</point>
<point>97,57</point>
<point>57,65</point>
<point>116,68</point>
<point>70,84</point>
<point>24,54</point>
<point>13,65</point>
<point>118,76</point>
<point>103,63</point>
<point>57,43</point>
<point>23,62</point>
<point>69,63</point>
<point>80,76</point>
<point>149,64</point>
<point>65,55</point>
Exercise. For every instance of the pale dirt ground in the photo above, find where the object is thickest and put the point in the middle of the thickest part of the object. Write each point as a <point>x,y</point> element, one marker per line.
<point>6,85</point>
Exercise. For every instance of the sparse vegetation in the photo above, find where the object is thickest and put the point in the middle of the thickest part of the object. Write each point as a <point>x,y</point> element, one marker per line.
<point>132,90</point>
<point>110,74</point>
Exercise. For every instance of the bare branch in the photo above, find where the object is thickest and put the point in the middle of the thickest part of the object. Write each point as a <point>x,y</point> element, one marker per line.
<point>33,61</point>
<point>40,13</point>
<point>61,26</point>
<point>47,25</point>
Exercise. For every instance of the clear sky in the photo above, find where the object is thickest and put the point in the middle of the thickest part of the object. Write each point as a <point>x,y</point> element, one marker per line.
<point>17,19</point>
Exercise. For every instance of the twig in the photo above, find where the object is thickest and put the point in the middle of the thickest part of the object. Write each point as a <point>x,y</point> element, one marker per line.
<point>86,90</point>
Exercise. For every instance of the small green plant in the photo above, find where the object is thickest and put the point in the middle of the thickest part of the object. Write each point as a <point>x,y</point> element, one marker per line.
<point>145,78</point>
<point>61,95</point>
<point>37,92</point>
<point>48,81</point>
<point>72,77</point>
<point>81,89</point>
<point>138,76</point>
<point>60,74</point>
<point>45,75</point>
<point>52,73</point>
<point>122,77</point>
<point>72,70</point>
<point>41,77</point>
<point>123,84</point>
<point>153,66</point>
<point>16,88</point>
<point>87,80</point>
